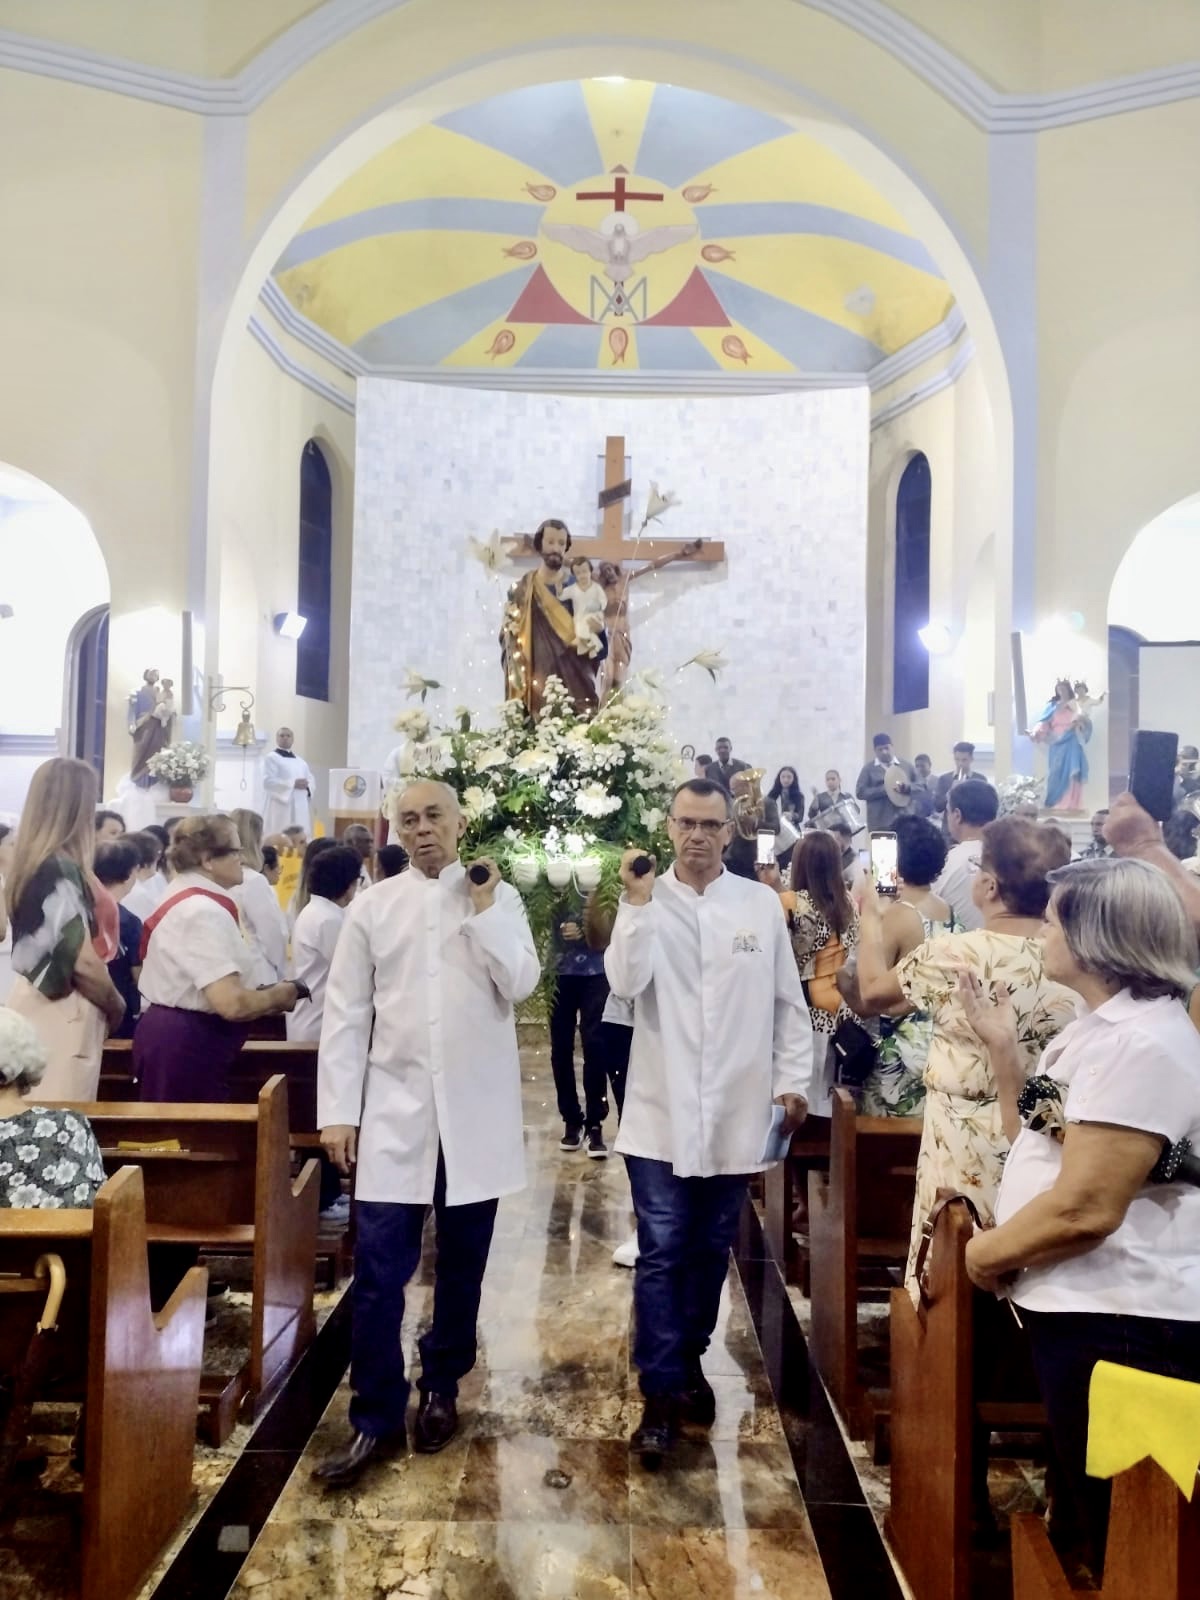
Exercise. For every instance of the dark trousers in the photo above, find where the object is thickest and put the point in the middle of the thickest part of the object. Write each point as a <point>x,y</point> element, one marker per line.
<point>686,1228</point>
<point>387,1251</point>
<point>616,1041</point>
<point>1066,1346</point>
<point>580,998</point>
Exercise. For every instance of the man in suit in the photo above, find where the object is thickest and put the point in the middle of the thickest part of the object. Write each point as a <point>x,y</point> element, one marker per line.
<point>964,760</point>
<point>723,768</point>
<point>881,813</point>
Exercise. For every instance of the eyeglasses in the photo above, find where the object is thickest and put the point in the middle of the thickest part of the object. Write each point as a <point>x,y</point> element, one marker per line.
<point>708,826</point>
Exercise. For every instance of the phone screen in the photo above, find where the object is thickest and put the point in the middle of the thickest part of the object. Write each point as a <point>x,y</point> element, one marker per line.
<point>883,863</point>
<point>766,849</point>
<point>1152,772</point>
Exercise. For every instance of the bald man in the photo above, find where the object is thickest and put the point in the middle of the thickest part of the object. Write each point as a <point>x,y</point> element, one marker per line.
<point>287,787</point>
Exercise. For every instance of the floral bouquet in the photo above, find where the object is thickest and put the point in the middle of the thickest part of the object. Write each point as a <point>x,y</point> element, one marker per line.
<point>180,764</point>
<point>554,800</point>
<point>1018,790</point>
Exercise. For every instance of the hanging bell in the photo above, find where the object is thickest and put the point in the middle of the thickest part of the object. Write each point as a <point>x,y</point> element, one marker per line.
<point>244,737</point>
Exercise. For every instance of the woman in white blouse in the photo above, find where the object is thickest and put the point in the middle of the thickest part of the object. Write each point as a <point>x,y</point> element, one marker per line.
<point>1098,1218</point>
<point>263,922</point>
<point>197,978</point>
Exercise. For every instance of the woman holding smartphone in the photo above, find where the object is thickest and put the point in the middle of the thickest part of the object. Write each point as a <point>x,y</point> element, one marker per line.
<point>963,1144</point>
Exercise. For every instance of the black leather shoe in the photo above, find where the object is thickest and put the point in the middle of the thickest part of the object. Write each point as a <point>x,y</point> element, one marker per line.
<point>698,1403</point>
<point>655,1434</point>
<point>347,1466</point>
<point>437,1423</point>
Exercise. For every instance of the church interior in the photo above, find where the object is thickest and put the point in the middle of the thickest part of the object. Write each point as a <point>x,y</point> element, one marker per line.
<point>852,329</point>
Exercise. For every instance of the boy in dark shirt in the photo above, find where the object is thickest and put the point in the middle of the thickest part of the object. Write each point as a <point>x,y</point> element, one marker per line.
<point>116,866</point>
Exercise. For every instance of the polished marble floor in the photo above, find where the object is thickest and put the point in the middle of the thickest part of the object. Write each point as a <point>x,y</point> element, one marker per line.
<point>538,1499</point>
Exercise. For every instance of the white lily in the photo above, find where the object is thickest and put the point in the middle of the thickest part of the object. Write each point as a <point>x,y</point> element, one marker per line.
<point>415,684</point>
<point>711,660</point>
<point>494,555</point>
<point>659,502</point>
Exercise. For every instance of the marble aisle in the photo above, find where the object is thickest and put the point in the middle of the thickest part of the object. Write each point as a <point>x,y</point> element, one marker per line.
<point>538,1499</point>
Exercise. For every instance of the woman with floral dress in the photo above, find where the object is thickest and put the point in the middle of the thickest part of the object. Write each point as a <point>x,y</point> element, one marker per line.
<point>963,1143</point>
<point>823,925</point>
<point>896,1086</point>
<point>48,1155</point>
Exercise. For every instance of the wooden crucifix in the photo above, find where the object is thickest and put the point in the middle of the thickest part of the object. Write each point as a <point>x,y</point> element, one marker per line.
<point>610,544</point>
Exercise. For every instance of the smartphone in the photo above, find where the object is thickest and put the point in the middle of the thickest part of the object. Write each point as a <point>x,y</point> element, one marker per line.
<point>1152,772</point>
<point>883,863</point>
<point>766,850</point>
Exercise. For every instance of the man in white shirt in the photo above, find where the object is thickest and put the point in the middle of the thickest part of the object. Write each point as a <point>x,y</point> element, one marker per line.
<point>970,806</point>
<point>333,880</point>
<point>287,787</point>
<point>419,1082</point>
<point>720,1031</point>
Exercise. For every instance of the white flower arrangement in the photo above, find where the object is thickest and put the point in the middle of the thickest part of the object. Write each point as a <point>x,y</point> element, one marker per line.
<point>415,723</point>
<point>1016,790</point>
<point>179,763</point>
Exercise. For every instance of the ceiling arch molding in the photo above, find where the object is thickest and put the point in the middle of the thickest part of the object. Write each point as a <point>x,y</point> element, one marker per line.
<point>993,110</point>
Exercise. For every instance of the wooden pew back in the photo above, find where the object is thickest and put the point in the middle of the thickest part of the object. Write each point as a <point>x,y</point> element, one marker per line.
<point>140,1375</point>
<point>258,1062</point>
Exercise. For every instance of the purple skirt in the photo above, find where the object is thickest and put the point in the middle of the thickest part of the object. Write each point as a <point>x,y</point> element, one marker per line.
<point>185,1055</point>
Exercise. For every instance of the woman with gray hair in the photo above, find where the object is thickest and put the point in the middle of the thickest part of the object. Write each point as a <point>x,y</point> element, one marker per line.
<point>1098,1218</point>
<point>49,1157</point>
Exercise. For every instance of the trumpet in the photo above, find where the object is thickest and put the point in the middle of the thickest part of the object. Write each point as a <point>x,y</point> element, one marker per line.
<point>749,810</point>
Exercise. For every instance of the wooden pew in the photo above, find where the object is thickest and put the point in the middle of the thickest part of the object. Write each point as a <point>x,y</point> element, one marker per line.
<point>960,1367</point>
<point>783,1184</point>
<point>230,1189</point>
<point>1153,1545</point>
<point>138,1374</point>
<point>859,1220</point>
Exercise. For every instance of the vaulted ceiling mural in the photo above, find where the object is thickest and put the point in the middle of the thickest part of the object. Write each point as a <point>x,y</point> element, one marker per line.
<point>613,224</point>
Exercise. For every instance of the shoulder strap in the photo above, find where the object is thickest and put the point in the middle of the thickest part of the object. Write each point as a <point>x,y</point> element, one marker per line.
<point>153,920</point>
<point>927,1236</point>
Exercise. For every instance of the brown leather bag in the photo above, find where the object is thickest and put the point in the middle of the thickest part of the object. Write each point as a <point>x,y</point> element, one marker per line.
<point>822,986</point>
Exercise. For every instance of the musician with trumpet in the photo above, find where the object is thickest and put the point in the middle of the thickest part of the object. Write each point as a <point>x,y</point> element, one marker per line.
<point>753,813</point>
<point>885,785</point>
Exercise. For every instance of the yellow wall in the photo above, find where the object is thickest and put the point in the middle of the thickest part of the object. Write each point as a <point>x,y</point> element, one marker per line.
<point>258,438</point>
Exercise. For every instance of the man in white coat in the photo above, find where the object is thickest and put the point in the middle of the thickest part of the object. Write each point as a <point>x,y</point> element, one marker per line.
<point>720,1032</point>
<point>418,1080</point>
<point>287,787</point>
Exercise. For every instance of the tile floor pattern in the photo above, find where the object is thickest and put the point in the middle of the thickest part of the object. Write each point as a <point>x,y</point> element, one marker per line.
<point>538,1499</point>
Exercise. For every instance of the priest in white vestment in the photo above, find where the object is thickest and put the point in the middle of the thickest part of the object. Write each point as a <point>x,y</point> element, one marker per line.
<point>287,787</point>
<point>419,1081</point>
<point>720,1033</point>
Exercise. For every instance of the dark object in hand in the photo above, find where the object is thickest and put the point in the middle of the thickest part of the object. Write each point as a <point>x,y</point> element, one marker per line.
<point>478,873</point>
<point>641,865</point>
<point>303,992</point>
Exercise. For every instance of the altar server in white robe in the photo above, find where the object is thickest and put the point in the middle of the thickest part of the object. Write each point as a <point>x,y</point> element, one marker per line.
<point>720,1033</point>
<point>428,1101</point>
<point>287,787</point>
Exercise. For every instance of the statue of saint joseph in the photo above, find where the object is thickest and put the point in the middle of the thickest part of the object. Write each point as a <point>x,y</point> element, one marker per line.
<point>537,638</point>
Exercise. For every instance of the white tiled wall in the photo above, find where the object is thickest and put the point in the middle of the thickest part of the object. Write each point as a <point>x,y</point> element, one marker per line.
<point>781,479</point>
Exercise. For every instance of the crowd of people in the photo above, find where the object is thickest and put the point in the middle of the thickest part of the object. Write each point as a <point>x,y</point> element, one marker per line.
<point>1031,1008</point>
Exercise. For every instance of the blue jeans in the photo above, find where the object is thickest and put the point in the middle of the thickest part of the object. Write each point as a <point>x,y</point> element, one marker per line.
<point>686,1228</point>
<point>1066,1346</point>
<point>387,1251</point>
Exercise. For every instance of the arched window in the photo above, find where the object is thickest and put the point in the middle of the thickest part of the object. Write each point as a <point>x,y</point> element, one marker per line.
<point>910,659</point>
<point>87,653</point>
<point>314,589</point>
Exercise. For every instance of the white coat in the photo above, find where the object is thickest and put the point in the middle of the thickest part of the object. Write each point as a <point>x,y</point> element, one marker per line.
<point>285,806</point>
<point>720,1025</point>
<point>439,981</point>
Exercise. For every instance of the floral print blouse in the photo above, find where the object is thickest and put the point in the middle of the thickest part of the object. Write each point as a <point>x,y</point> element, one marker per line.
<point>49,1159</point>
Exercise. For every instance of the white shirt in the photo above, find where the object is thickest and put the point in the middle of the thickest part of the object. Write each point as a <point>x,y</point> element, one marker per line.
<point>720,1027</point>
<point>196,942</point>
<point>954,885</point>
<point>264,926</point>
<point>146,896</point>
<point>284,805</point>
<point>439,981</point>
<point>1132,1064</point>
<point>314,939</point>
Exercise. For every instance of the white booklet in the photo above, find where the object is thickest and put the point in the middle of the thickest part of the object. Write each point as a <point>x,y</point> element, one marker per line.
<point>777,1142</point>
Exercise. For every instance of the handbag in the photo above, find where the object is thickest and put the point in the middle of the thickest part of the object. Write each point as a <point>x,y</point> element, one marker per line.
<point>823,994</point>
<point>853,1053</point>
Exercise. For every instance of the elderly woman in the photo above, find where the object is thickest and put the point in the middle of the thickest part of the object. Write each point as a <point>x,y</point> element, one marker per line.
<point>963,1143</point>
<point>60,981</point>
<point>263,923</point>
<point>48,1155</point>
<point>197,972</point>
<point>1098,1240</point>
